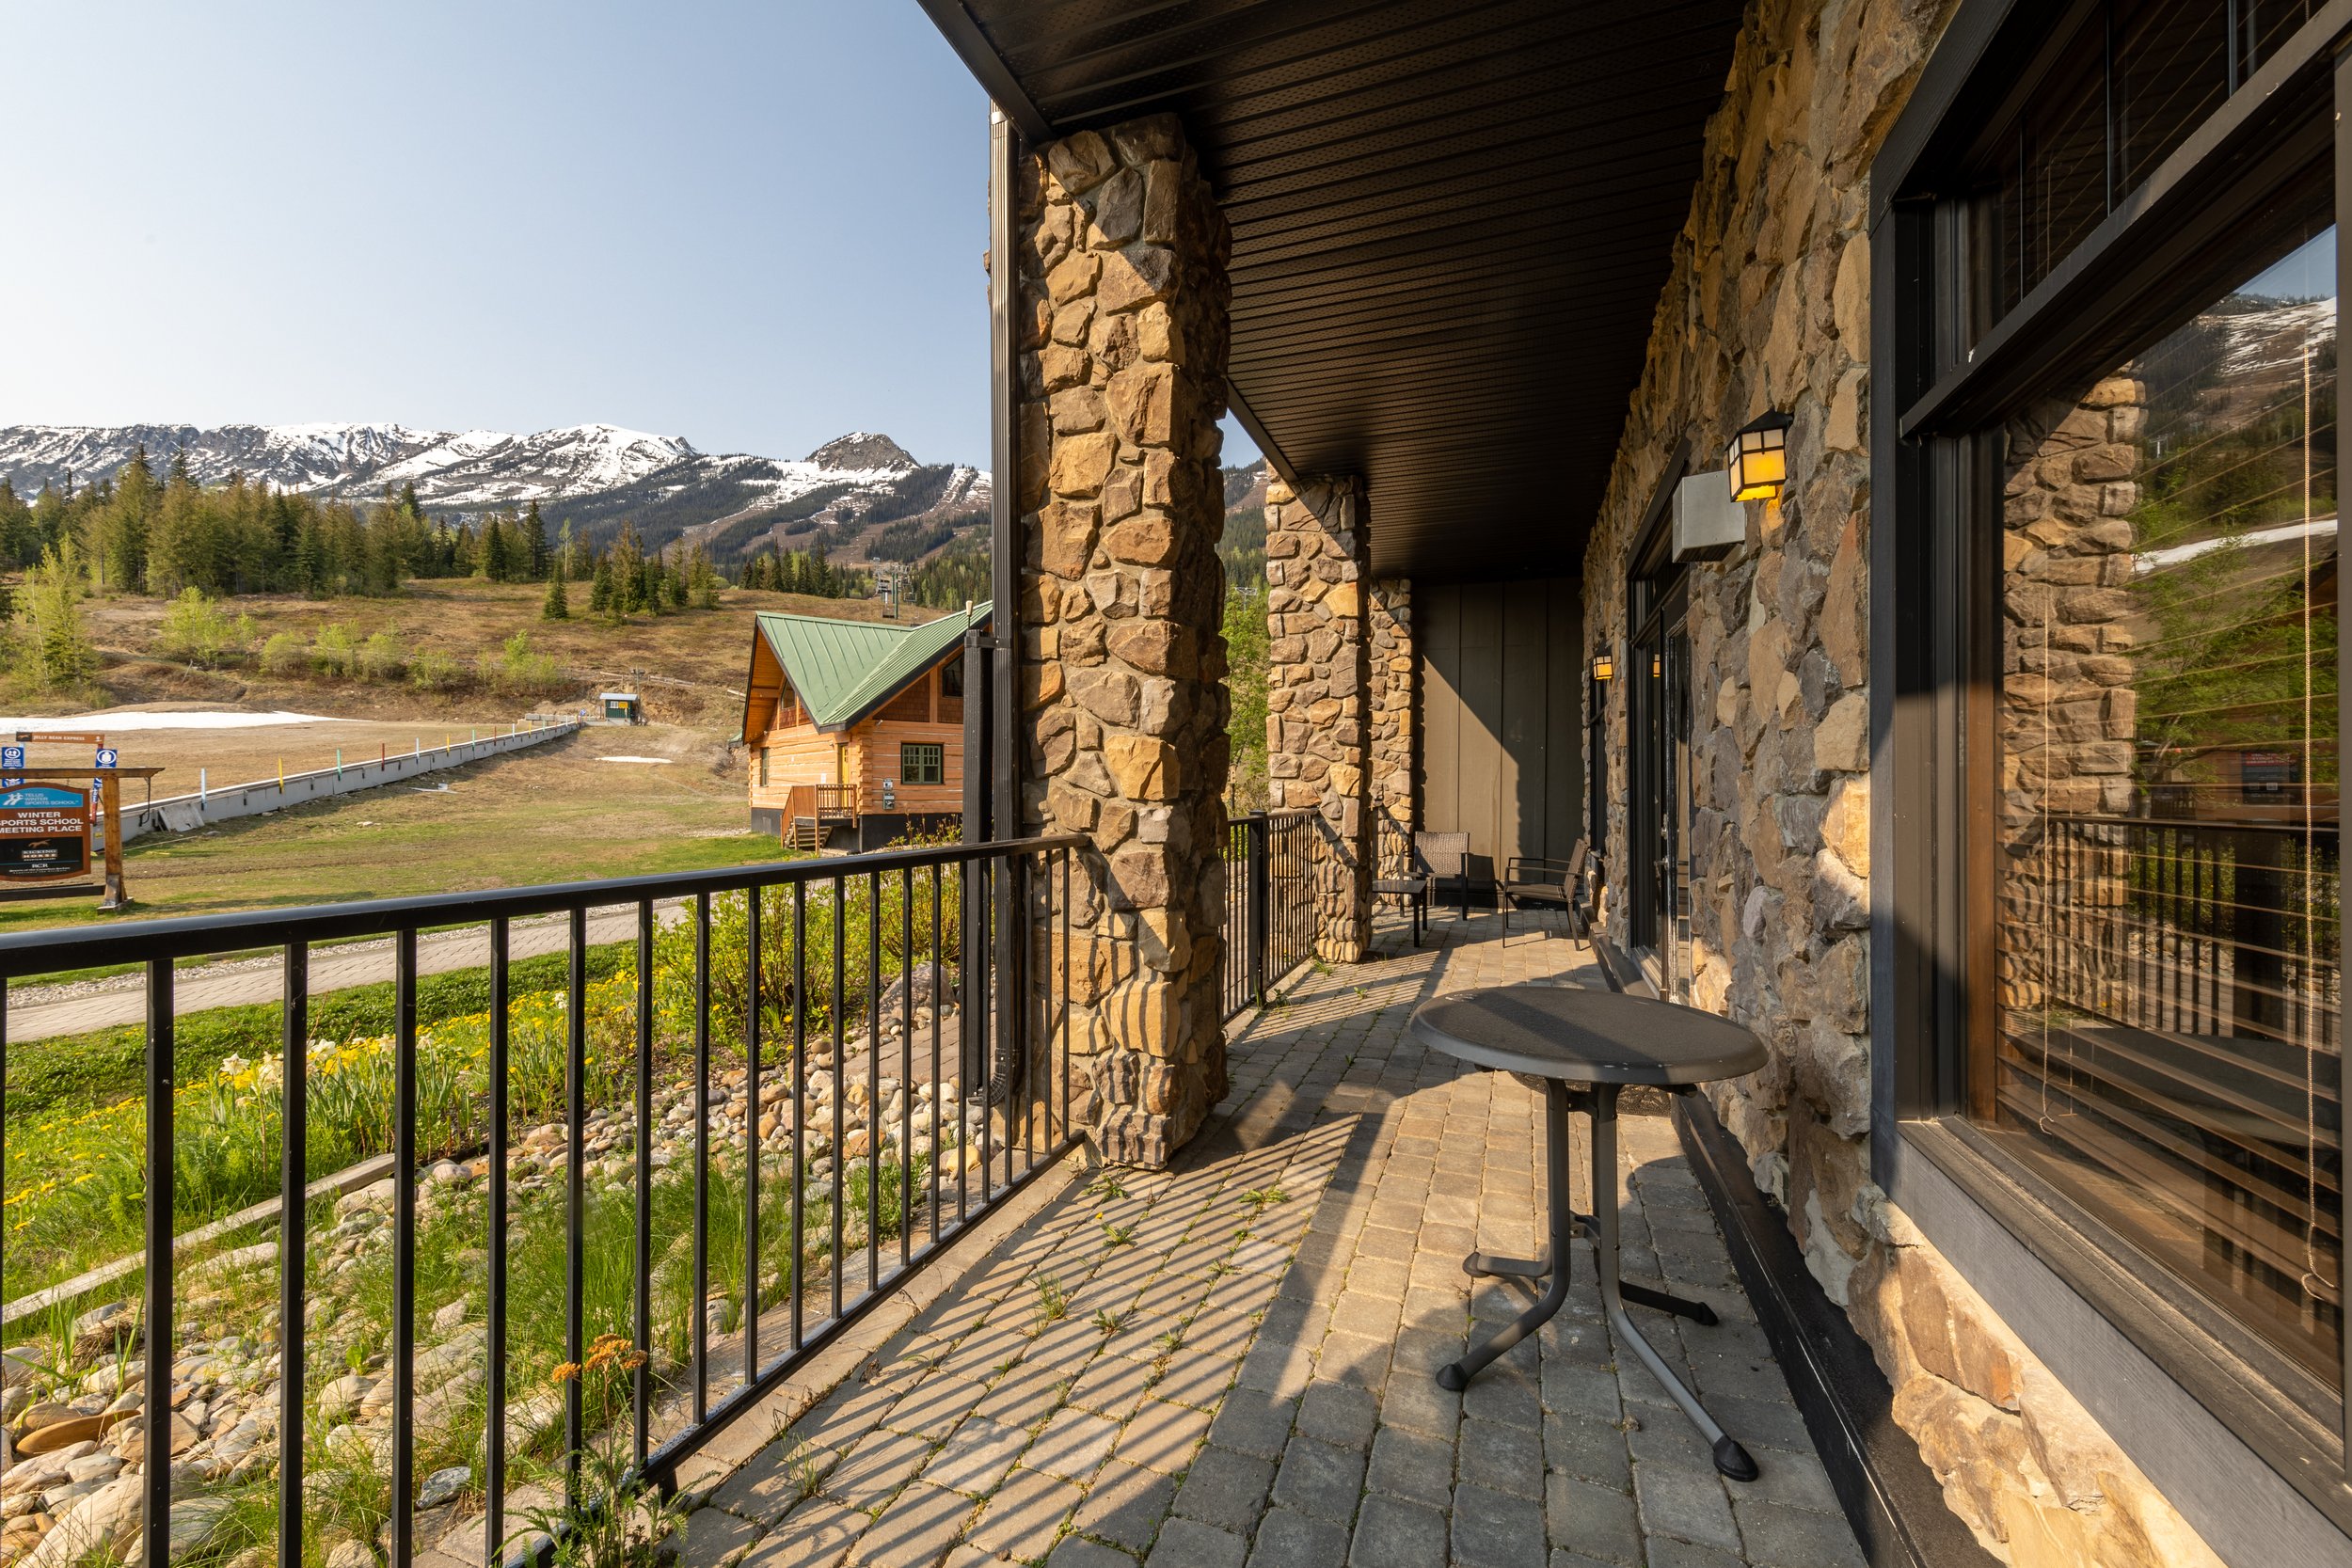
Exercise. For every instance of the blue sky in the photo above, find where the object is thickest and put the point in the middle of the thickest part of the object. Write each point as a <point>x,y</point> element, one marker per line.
<point>754,225</point>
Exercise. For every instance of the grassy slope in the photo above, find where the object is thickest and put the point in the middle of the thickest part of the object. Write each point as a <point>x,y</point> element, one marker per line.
<point>547,814</point>
<point>552,814</point>
<point>709,650</point>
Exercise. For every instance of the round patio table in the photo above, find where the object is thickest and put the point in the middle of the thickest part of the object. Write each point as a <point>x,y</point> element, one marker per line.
<point>1584,1047</point>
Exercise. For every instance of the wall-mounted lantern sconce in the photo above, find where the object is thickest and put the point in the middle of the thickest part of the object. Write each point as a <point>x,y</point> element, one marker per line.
<point>1604,667</point>
<point>1758,458</point>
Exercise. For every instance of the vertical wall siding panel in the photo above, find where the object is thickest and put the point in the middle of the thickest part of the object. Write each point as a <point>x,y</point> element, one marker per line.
<point>1501,755</point>
<point>1482,714</point>
<point>1563,720</point>
<point>1519,782</point>
<point>1438,629</point>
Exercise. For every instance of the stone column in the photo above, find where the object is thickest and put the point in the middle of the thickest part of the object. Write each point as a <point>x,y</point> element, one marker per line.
<point>1395,726</point>
<point>1318,681</point>
<point>2068,713</point>
<point>1122,254</point>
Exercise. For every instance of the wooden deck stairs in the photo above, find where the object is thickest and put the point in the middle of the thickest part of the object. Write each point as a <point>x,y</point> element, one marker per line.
<point>813,810</point>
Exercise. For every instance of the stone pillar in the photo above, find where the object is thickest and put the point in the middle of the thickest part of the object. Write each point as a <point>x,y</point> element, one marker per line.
<point>1395,726</point>
<point>2068,713</point>
<point>1318,685</point>
<point>1122,253</point>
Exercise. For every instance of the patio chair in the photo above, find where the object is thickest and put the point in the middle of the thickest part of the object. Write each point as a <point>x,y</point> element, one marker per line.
<point>1452,870</point>
<point>1531,882</point>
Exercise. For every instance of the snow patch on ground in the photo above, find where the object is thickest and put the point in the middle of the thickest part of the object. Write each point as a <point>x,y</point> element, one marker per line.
<point>113,723</point>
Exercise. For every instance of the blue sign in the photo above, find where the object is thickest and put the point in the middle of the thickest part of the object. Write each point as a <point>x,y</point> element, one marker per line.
<point>108,755</point>
<point>44,832</point>
<point>11,756</point>
<point>42,798</point>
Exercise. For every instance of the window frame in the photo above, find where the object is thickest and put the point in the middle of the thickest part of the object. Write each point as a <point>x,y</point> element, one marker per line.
<point>907,749</point>
<point>1936,454</point>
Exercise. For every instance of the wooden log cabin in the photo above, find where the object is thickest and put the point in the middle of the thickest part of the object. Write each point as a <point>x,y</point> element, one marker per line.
<point>855,728</point>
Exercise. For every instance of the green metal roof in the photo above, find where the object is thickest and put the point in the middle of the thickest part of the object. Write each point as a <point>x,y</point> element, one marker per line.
<point>844,669</point>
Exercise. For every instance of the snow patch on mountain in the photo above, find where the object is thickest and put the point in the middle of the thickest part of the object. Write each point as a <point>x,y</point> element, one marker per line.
<point>596,475</point>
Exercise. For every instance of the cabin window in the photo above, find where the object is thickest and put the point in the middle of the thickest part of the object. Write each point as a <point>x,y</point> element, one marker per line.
<point>922,763</point>
<point>763,768</point>
<point>951,678</point>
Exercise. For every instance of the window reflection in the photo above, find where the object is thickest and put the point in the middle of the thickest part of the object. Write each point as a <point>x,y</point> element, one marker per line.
<point>2167,863</point>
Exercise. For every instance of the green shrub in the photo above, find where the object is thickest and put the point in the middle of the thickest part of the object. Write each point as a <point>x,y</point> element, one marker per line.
<point>519,673</point>
<point>285,654</point>
<point>381,657</point>
<point>200,630</point>
<point>333,652</point>
<point>434,670</point>
<point>779,964</point>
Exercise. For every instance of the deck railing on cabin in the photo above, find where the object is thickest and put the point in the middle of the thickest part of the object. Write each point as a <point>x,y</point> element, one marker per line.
<point>827,1128</point>
<point>815,803</point>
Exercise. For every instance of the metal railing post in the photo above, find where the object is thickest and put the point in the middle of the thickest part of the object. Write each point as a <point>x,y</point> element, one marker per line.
<point>1261,902</point>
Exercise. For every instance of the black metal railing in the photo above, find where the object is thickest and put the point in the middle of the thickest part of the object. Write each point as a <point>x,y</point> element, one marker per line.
<point>2190,927</point>
<point>1269,903</point>
<point>855,1062</point>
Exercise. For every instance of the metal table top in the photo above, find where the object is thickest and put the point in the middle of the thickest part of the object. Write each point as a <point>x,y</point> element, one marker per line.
<point>1587,1037</point>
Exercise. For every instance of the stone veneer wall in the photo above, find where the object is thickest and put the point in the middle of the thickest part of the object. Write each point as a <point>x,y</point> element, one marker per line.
<point>2069,712</point>
<point>1123,306</point>
<point>1769,306</point>
<point>1394,734</point>
<point>1318,688</point>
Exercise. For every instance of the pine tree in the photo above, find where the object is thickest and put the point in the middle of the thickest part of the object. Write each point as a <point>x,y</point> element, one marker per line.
<point>61,642</point>
<point>556,605</point>
<point>601,590</point>
<point>534,546</point>
<point>497,560</point>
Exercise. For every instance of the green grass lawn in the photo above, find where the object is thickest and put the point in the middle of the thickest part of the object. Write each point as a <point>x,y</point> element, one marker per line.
<point>529,817</point>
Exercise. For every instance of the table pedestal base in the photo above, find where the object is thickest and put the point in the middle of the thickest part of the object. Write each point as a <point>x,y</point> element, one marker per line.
<point>1602,1226</point>
<point>1478,1265</point>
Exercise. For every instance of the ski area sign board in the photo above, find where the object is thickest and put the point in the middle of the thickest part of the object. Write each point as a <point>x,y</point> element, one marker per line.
<point>44,832</point>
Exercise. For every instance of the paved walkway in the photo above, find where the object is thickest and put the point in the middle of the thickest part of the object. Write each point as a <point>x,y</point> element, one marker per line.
<point>41,1012</point>
<point>1229,1364</point>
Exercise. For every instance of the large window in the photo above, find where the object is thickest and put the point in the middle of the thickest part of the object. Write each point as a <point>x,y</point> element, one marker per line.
<point>2168,979</point>
<point>2106,103</point>
<point>2106,634</point>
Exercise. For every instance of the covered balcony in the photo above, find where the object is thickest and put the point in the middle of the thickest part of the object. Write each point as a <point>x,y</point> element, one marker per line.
<point>1073,1194</point>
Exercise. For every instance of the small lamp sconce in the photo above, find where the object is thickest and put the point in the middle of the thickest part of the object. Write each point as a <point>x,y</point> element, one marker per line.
<point>1758,458</point>
<point>1604,666</point>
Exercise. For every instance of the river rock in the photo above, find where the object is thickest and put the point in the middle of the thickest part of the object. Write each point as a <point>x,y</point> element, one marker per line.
<point>442,1486</point>
<point>46,1413</point>
<point>99,1525</point>
<point>340,1398</point>
<point>133,1447</point>
<point>56,1434</point>
<point>193,1521</point>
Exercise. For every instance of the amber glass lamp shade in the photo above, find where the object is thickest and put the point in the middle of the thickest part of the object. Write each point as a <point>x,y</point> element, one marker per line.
<point>1758,458</point>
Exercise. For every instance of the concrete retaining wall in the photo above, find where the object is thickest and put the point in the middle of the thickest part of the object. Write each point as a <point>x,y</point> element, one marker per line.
<point>185,812</point>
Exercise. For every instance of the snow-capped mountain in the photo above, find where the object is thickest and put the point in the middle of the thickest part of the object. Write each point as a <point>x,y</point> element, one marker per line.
<point>592,476</point>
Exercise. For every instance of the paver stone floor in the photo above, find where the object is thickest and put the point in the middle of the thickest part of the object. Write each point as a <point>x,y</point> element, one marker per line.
<point>1229,1364</point>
